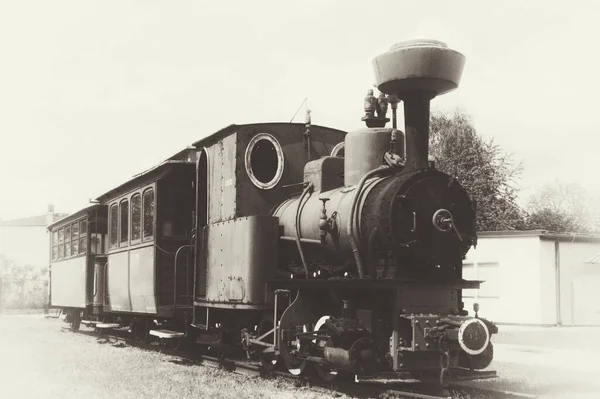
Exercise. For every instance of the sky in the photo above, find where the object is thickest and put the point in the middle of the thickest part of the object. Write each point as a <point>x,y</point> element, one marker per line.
<point>93,92</point>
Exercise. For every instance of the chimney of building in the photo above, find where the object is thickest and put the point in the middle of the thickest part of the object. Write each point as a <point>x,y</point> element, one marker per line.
<point>416,71</point>
<point>50,208</point>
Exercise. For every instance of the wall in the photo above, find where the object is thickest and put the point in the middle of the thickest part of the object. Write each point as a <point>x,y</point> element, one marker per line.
<point>579,284</point>
<point>513,292</point>
<point>25,245</point>
<point>26,241</point>
<point>522,280</point>
<point>547,278</point>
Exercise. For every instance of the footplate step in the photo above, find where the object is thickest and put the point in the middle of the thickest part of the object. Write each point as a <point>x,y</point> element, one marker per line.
<point>166,334</point>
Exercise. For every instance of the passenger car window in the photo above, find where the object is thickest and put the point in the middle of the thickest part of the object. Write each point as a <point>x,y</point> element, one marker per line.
<point>82,236</point>
<point>67,241</point>
<point>75,239</point>
<point>55,245</point>
<point>148,214</point>
<point>61,247</point>
<point>114,225</point>
<point>136,217</point>
<point>124,221</point>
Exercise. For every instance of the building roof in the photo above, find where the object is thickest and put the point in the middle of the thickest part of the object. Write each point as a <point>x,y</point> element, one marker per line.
<point>542,234</point>
<point>32,221</point>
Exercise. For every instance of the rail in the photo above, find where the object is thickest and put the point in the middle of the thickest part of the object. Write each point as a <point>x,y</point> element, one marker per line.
<point>350,387</point>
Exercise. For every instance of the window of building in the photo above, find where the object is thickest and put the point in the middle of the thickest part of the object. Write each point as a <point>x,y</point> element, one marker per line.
<point>67,241</point>
<point>124,221</point>
<point>114,226</point>
<point>489,273</point>
<point>136,217</point>
<point>83,236</point>
<point>148,213</point>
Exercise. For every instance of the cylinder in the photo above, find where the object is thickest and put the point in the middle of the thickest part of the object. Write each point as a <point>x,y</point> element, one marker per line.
<point>361,358</point>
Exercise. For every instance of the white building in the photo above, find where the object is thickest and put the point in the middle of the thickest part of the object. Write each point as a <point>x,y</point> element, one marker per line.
<point>535,278</point>
<point>25,241</point>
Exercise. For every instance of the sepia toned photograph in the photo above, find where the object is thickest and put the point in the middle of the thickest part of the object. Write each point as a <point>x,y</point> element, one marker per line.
<point>299,199</point>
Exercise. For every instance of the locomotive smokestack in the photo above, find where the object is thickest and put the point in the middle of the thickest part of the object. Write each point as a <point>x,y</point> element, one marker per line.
<point>416,71</point>
<point>416,126</point>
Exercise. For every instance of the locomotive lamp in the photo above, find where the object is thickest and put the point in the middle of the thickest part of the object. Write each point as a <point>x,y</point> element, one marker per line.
<point>476,308</point>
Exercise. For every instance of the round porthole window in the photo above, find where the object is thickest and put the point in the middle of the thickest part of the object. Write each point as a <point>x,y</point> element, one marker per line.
<point>264,161</point>
<point>338,150</point>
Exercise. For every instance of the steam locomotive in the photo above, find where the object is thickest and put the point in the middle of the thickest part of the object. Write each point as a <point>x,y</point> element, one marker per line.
<point>305,246</point>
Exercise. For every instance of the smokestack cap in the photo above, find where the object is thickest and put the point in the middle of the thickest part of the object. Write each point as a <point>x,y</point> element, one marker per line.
<point>418,66</point>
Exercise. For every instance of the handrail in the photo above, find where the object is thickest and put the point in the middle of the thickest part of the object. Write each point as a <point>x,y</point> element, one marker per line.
<point>306,191</point>
<point>175,275</point>
<point>105,285</point>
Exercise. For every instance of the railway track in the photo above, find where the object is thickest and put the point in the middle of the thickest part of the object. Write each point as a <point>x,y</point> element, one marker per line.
<point>350,388</point>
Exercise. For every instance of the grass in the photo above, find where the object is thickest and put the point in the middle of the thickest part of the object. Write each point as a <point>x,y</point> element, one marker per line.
<point>39,360</point>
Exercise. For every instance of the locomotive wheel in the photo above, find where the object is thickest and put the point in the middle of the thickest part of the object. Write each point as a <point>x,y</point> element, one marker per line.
<point>268,360</point>
<point>75,320</point>
<point>324,372</point>
<point>296,367</point>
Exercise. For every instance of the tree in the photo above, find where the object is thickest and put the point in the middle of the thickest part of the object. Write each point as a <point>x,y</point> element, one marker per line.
<point>487,173</point>
<point>11,270</point>
<point>563,207</point>
<point>21,285</point>
<point>548,219</point>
